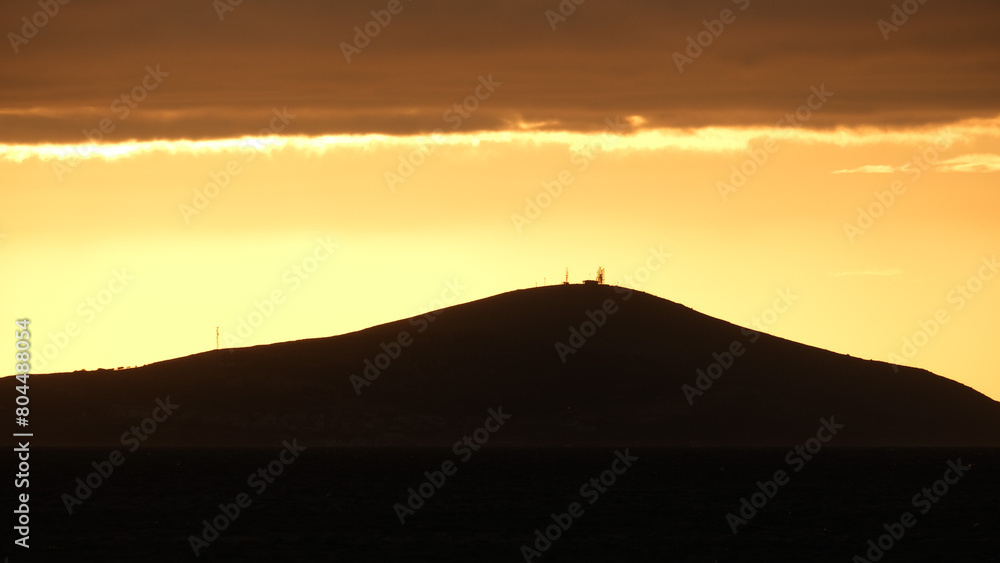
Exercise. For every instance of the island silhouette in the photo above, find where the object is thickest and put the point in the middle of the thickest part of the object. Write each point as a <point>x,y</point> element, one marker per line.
<point>587,365</point>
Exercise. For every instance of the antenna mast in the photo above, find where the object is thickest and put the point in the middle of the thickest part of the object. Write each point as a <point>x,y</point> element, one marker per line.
<point>567,276</point>
<point>216,338</point>
<point>600,275</point>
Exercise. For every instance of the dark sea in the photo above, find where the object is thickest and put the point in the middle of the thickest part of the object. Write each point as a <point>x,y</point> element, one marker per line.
<point>332,504</point>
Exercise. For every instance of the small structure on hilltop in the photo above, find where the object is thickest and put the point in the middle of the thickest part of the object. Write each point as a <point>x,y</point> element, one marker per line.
<point>599,280</point>
<point>566,281</point>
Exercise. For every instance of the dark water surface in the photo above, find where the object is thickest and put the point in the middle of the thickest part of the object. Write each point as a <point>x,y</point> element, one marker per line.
<point>670,505</point>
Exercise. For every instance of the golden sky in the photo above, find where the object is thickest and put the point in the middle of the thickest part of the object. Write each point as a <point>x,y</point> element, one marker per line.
<point>810,171</point>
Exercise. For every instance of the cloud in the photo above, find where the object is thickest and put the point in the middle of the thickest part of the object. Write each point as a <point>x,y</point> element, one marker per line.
<point>606,59</point>
<point>700,140</point>
<point>870,169</point>
<point>971,163</point>
<point>964,163</point>
<point>877,273</point>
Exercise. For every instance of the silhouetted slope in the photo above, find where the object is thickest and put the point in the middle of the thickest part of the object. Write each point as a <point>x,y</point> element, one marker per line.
<point>623,386</point>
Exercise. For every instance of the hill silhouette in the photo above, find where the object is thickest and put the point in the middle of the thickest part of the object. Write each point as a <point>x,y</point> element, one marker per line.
<point>623,385</point>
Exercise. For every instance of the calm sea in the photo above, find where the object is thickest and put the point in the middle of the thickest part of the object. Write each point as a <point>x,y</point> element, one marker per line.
<point>667,505</point>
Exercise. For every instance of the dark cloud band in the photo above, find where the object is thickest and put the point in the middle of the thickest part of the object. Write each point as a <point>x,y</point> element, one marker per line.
<point>398,67</point>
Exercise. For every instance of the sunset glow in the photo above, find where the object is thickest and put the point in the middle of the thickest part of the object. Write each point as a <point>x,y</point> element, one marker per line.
<point>163,196</point>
